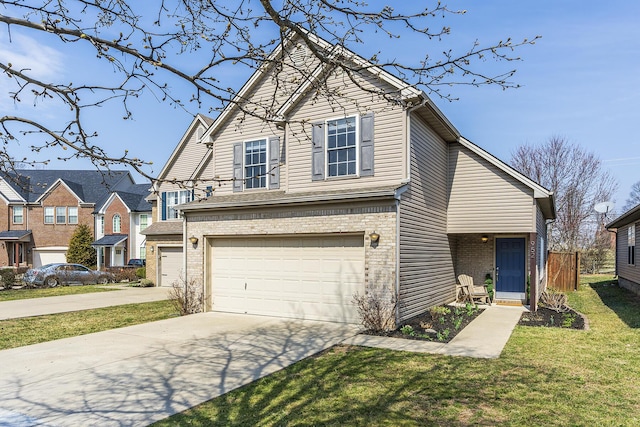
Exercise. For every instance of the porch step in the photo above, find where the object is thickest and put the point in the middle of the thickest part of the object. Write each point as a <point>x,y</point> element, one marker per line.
<point>510,302</point>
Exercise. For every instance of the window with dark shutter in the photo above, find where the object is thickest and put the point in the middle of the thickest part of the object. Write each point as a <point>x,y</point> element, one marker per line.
<point>274,162</point>
<point>317,151</point>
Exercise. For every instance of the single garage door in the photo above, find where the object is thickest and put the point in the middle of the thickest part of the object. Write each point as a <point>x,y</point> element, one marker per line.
<point>49,255</point>
<point>298,277</point>
<point>170,268</point>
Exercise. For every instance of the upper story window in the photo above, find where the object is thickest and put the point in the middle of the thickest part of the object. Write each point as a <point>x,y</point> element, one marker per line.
<point>144,221</point>
<point>101,224</point>
<point>48,214</point>
<point>631,244</point>
<point>171,199</point>
<point>116,223</point>
<point>255,164</point>
<point>61,215</point>
<point>342,147</point>
<point>73,215</point>
<point>18,214</point>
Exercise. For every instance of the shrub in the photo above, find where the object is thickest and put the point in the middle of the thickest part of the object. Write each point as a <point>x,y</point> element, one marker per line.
<point>123,274</point>
<point>141,272</point>
<point>80,250</point>
<point>377,313</point>
<point>7,277</point>
<point>144,283</point>
<point>187,297</point>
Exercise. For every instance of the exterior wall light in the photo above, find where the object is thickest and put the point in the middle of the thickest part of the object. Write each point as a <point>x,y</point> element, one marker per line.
<point>152,248</point>
<point>485,239</point>
<point>193,240</point>
<point>374,237</point>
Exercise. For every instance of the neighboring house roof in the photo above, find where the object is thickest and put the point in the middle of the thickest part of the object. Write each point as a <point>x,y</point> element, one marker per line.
<point>110,240</point>
<point>280,197</point>
<point>163,228</point>
<point>133,197</point>
<point>88,185</point>
<point>632,215</point>
<point>541,194</point>
<point>14,234</point>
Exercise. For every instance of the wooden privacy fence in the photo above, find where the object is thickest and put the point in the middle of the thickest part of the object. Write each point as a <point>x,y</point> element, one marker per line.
<point>564,271</point>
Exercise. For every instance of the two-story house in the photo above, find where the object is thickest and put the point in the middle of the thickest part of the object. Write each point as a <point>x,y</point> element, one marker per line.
<point>627,232</point>
<point>42,209</point>
<point>120,218</point>
<point>334,198</point>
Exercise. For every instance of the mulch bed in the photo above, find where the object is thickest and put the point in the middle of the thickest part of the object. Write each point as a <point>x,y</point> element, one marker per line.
<point>441,327</point>
<point>545,317</point>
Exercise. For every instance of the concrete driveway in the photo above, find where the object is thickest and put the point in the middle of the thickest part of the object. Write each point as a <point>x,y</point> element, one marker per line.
<point>140,374</point>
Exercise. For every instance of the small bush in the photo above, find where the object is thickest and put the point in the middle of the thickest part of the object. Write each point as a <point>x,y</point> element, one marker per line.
<point>377,313</point>
<point>187,297</point>
<point>123,274</point>
<point>145,283</point>
<point>7,277</point>
<point>141,272</point>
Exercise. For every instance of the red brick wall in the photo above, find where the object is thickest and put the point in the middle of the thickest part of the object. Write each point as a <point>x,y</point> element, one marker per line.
<point>117,207</point>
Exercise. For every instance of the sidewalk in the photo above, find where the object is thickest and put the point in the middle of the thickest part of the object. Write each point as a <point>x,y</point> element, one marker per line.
<point>62,304</point>
<point>484,337</point>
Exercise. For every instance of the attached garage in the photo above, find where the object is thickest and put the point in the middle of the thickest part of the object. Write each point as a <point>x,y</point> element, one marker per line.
<point>49,255</point>
<point>309,277</point>
<point>169,265</point>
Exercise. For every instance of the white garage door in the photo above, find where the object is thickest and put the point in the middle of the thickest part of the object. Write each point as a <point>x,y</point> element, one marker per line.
<point>42,256</point>
<point>170,268</point>
<point>298,277</point>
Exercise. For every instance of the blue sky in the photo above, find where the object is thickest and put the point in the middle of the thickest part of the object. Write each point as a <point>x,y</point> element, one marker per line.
<point>580,81</point>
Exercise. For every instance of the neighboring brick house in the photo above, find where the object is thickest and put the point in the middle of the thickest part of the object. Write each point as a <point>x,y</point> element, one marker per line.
<point>119,221</point>
<point>291,218</point>
<point>627,232</point>
<point>42,209</point>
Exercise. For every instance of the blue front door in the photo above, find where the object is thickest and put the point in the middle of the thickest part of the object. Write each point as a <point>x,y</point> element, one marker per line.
<point>510,265</point>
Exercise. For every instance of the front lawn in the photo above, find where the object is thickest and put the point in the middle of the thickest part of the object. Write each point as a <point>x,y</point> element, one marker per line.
<point>24,293</point>
<point>33,330</point>
<point>545,376</point>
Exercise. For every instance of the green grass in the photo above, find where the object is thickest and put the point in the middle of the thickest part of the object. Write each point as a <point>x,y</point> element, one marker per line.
<point>545,376</point>
<point>24,293</point>
<point>33,330</point>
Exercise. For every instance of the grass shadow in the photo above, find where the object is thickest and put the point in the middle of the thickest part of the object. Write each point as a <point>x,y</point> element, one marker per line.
<point>623,302</point>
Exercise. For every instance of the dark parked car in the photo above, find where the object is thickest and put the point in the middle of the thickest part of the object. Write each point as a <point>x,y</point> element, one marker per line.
<point>51,275</point>
<point>137,262</point>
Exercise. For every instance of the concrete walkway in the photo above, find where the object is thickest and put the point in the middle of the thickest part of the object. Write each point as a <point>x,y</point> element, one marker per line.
<point>485,337</point>
<point>65,303</point>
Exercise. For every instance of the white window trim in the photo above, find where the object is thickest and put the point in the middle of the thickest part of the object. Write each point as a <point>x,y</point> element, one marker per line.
<point>65,214</point>
<point>179,202</point>
<point>53,215</point>
<point>13,215</point>
<point>326,147</point>
<point>146,222</point>
<point>631,243</point>
<point>113,223</point>
<point>77,215</point>
<point>266,168</point>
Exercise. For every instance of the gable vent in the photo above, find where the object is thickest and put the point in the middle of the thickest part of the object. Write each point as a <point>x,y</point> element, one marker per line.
<point>299,54</point>
<point>199,133</point>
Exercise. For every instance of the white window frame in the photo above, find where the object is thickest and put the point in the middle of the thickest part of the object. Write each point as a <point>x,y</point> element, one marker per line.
<point>144,224</point>
<point>265,176</point>
<point>119,223</point>
<point>52,214</point>
<point>356,118</point>
<point>58,216</point>
<point>71,216</point>
<point>173,199</point>
<point>15,215</point>
<point>143,252</point>
<point>101,224</point>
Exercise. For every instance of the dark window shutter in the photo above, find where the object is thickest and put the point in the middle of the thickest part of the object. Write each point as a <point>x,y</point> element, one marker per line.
<point>164,205</point>
<point>274,162</point>
<point>366,145</point>
<point>317,151</point>
<point>237,167</point>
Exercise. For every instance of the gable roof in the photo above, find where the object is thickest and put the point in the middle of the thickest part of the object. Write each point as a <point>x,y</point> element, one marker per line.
<point>198,120</point>
<point>88,185</point>
<point>632,215</point>
<point>541,194</point>
<point>133,197</point>
<point>408,93</point>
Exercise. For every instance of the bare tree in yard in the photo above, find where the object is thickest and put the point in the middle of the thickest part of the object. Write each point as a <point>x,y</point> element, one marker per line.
<point>578,181</point>
<point>634,197</point>
<point>151,46</point>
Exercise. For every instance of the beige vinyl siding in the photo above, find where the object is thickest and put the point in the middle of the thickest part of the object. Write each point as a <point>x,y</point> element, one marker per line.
<point>625,270</point>
<point>192,155</point>
<point>484,199</point>
<point>426,267</point>
<point>295,173</point>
